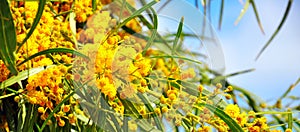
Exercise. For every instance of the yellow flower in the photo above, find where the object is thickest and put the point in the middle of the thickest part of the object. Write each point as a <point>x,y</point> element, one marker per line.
<point>66,108</point>
<point>41,110</point>
<point>61,123</point>
<point>232,110</point>
<point>288,130</point>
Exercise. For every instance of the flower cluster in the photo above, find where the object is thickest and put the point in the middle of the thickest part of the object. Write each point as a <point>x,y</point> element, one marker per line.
<point>51,32</point>
<point>116,60</point>
<point>47,89</point>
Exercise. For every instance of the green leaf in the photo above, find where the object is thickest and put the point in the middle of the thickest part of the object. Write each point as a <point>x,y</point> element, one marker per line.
<point>138,12</point>
<point>179,57</point>
<point>131,109</point>
<point>178,34</point>
<point>102,118</point>
<point>221,78</point>
<point>143,2</point>
<point>150,108</point>
<point>37,18</point>
<point>286,13</point>
<point>154,32</point>
<point>221,14</point>
<point>290,119</point>
<point>21,117</point>
<point>257,16</point>
<point>94,5</point>
<point>240,72</point>
<point>54,50</point>
<point>30,118</point>
<point>226,118</point>
<point>21,76</point>
<point>8,40</point>
<point>149,26</point>
<point>243,11</point>
<point>289,90</point>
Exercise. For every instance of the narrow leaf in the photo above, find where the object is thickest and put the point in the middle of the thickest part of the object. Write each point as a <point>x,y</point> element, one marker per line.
<point>21,76</point>
<point>287,10</point>
<point>94,5</point>
<point>8,39</point>
<point>138,12</point>
<point>148,25</point>
<point>221,14</point>
<point>289,90</point>
<point>243,11</point>
<point>54,50</point>
<point>150,108</point>
<point>240,72</point>
<point>37,18</point>
<point>154,32</point>
<point>179,57</point>
<point>290,119</point>
<point>178,34</point>
<point>257,16</point>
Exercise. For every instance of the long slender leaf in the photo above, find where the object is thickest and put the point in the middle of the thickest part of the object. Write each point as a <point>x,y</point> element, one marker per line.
<point>21,117</point>
<point>102,118</point>
<point>154,32</point>
<point>221,14</point>
<point>289,90</point>
<point>21,76</point>
<point>8,40</point>
<point>164,5</point>
<point>257,16</point>
<point>54,50</point>
<point>179,57</point>
<point>148,25</point>
<point>290,119</point>
<point>28,118</point>
<point>94,5</point>
<point>243,11</point>
<point>178,34</point>
<point>138,12</point>
<point>37,18</point>
<point>240,72</point>
<point>286,13</point>
<point>150,108</point>
<point>143,2</point>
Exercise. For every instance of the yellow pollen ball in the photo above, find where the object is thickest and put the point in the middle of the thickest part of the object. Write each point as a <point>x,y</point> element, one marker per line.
<point>61,123</point>
<point>172,96</point>
<point>164,109</point>
<point>41,110</point>
<point>66,108</point>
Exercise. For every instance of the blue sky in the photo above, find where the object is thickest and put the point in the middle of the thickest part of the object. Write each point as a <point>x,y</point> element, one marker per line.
<point>279,65</point>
